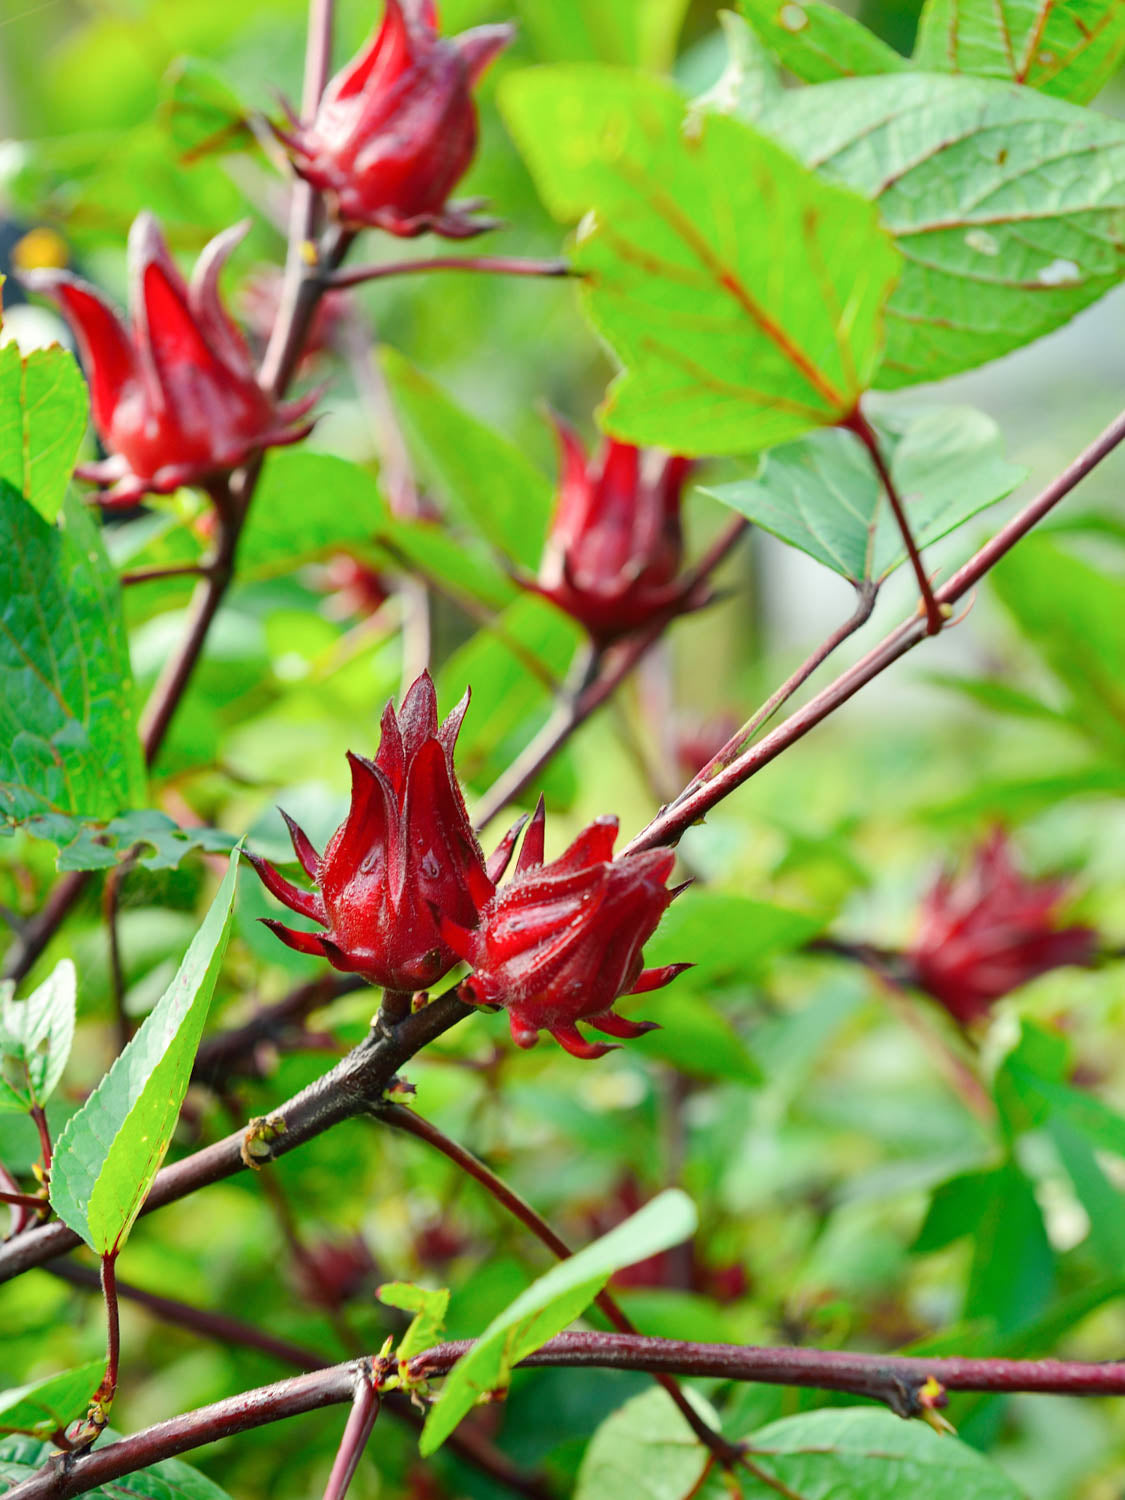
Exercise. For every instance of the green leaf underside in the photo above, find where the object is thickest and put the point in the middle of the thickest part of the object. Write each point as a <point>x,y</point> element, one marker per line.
<point>817,42</point>
<point>550,1304</point>
<point>21,1457</point>
<point>1068,48</point>
<point>860,1453</point>
<point>1007,206</point>
<point>161,843</point>
<point>489,481</point>
<point>110,1151</point>
<point>36,1036</point>
<point>308,504</point>
<point>68,741</point>
<point>750,79</point>
<point>822,494</point>
<point>743,295</point>
<point>46,1405</point>
<point>43,407</point>
<point>646,1450</point>
<point>429,1309</point>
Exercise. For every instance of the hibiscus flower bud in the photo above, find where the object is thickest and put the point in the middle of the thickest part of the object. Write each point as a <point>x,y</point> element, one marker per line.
<point>405,852</point>
<point>396,130</point>
<point>613,556</point>
<point>991,930</point>
<point>175,398</point>
<point>561,942</point>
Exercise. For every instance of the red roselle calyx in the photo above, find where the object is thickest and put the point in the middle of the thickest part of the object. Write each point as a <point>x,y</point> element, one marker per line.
<point>613,556</point>
<point>991,930</point>
<point>175,397</point>
<point>561,942</point>
<point>405,852</point>
<point>397,128</point>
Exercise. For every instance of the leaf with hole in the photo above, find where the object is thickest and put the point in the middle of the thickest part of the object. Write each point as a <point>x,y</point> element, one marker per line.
<point>549,1305</point>
<point>1007,206</point>
<point>111,1149</point>
<point>822,495</point>
<point>1069,48</point>
<point>743,294</point>
<point>818,42</point>
<point>36,1035</point>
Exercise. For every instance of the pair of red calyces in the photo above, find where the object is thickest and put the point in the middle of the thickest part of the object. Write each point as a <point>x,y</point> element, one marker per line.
<point>403,892</point>
<point>175,393</point>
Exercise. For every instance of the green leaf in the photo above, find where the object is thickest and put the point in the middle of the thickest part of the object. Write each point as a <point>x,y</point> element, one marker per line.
<point>110,1151</point>
<point>817,42</point>
<point>307,504</point>
<point>429,1309</point>
<point>1103,1202</point>
<point>1069,48</point>
<point>860,1453</point>
<point>1072,613</point>
<point>646,1450</point>
<point>749,82</point>
<point>202,112</point>
<point>613,31</point>
<point>36,1035</point>
<point>21,1457</point>
<point>549,1304</point>
<point>68,739</point>
<point>822,495</point>
<point>43,412</point>
<point>487,479</point>
<point>45,1406</point>
<point>695,1037</point>
<point>728,938</point>
<point>743,294</point>
<point>1005,204</point>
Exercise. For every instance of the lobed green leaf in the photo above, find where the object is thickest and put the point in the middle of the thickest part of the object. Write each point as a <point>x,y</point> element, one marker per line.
<point>36,1036</point>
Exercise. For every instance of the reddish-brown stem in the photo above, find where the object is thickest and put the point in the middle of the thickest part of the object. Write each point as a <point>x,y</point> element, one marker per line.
<point>20,1200</point>
<point>394,1009</point>
<point>868,592</point>
<point>893,1379</point>
<point>867,435</point>
<point>671,822</point>
<point>361,1420</point>
<point>613,668</point>
<point>45,1150</point>
<point>352,1087</point>
<point>495,265</point>
<point>468,1445</point>
<point>416,1125</point>
<point>103,1396</point>
<point>152,575</point>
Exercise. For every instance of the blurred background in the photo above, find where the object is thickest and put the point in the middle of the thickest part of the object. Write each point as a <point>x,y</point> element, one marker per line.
<point>803,1106</point>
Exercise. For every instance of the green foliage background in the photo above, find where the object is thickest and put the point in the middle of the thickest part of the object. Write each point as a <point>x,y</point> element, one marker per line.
<point>801,1108</point>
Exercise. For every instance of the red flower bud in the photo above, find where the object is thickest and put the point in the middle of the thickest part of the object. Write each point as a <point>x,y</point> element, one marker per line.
<point>699,740</point>
<point>561,942</point>
<point>990,931</point>
<point>332,1272</point>
<point>397,128</point>
<point>616,546</point>
<point>405,852</point>
<point>175,399</point>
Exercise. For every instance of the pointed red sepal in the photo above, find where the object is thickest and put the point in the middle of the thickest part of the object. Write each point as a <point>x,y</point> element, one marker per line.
<point>531,855</point>
<point>655,979</point>
<point>501,856</point>
<point>615,1025</point>
<point>307,856</point>
<point>304,903</point>
<point>479,46</point>
<point>300,942</point>
<point>577,1045</point>
<point>462,940</point>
